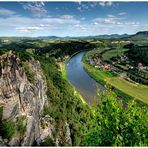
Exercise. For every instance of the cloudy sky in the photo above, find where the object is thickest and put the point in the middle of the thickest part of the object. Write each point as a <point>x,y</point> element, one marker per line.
<point>72,18</point>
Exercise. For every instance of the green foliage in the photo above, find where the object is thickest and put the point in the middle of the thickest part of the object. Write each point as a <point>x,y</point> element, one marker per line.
<point>21,127</point>
<point>138,54</point>
<point>48,142</point>
<point>1,113</point>
<point>114,125</point>
<point>18,45</point>
<point>137,79</point>
<point>30,74</point>
<point>113,53</point>
<point>23,56</point>
<point>58,49</point>
<point>128,46</point>
<point>7,129</point>
<point>2,51</point>
<point>30,50</point>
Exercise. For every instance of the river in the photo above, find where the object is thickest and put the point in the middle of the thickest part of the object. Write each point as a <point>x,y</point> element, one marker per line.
<point>82,82</point>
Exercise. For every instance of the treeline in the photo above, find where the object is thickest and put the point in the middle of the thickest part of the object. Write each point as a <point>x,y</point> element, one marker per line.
<point>65,48</point>
<point>55,48</point>
<point>139,54</point>
<point>18,45</point>
<point>134,77</point>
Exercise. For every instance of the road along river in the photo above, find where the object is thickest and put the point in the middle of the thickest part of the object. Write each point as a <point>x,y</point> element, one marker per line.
<point>83,83</point>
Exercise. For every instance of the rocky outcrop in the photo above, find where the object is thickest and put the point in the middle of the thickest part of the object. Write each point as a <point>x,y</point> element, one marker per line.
<point>19,97</point>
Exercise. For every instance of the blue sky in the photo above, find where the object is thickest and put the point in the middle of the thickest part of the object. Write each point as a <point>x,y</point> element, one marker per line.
<point>72,18</point>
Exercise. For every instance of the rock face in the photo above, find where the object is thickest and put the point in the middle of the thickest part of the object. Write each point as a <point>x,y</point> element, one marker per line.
<point>21,98</point>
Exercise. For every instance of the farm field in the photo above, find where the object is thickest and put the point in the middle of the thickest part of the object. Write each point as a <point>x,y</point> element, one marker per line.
<point>92,52</point>
<point>112,53</point>
<point>137,91</point>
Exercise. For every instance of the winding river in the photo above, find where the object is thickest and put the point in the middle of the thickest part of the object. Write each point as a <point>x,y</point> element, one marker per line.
<point>83,83</point>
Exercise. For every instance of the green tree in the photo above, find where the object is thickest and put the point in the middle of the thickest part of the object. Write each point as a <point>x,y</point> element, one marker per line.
<point>115,125</point>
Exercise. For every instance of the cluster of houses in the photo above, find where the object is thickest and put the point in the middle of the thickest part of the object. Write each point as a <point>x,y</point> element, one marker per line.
<point>4,41</point>
<point>122,59</point>
<point>99,64</point>
<point>117,42</point>
<point>126,61</point>
<point>96,62</point>
<point>142,67</point>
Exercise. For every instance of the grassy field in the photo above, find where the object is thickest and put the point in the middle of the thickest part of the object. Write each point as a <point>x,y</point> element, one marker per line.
<point>113,53</point>
<point>139,92</point>
<point>63,71</point>
<point>98,75</point>
<point>92,52</point>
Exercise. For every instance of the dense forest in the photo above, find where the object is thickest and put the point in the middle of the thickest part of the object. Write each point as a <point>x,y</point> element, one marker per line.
<point>139,54</point>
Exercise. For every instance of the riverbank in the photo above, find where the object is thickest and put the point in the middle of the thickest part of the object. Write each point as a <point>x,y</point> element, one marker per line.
<point>64,75</point>
<point>121,86</point>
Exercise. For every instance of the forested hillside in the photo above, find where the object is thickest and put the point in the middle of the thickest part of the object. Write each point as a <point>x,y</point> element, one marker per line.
<point>139,54</point>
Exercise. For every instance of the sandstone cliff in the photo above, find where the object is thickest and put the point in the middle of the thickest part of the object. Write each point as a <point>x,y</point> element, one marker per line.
<point>23,99</point>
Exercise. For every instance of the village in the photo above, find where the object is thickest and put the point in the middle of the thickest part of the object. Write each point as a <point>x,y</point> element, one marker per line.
<point>118,65</point>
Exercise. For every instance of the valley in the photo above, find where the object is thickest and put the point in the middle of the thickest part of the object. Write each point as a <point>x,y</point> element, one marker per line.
<point>66,92</point>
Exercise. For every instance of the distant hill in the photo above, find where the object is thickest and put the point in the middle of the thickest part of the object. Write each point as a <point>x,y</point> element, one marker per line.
<point>114,36</point>
<point>48,37</point>
<point>140,34</point>
<point>86,37</point>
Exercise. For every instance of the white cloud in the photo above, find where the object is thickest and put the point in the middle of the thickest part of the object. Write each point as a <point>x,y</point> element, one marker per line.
<point>95,23</point>
<point>42,3</point>
<point>66,25</point>
<point>86,6</point>
<point>79,8</point>
<point>29,29</point>
<point>22,30</point>
<point>21,25</point>
<point>110,19</point>
<point>80,28</point>
<point>105,3</point>
<point>122,13</point>
<point>119,23</point>
<point>105,20</point>
<point>77,25</point>
<point>114,21</point>
<point>110,15</point>
<point>67,16</point>
<point>134,24</point>
<point>82,6</point>
<point>6,12</point>
<point>37,8</point>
